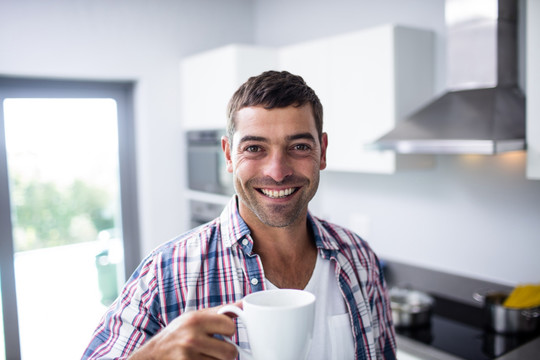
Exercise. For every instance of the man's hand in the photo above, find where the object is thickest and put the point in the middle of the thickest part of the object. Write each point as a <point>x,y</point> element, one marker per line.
<point>190,336</point>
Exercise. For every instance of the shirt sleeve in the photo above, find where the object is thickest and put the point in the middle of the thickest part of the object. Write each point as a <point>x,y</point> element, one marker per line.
<point>132,319</point>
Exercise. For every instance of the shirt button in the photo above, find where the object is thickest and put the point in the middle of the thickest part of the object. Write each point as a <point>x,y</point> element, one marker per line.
<point>245,242</point>
<point>254,281</point>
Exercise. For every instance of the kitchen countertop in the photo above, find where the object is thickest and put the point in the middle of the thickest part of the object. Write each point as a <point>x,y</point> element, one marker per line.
<point>530,350</point>
<point>414,350</point>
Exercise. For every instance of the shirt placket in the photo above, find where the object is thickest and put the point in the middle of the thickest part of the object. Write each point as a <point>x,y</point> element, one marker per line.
<point>253,266</point>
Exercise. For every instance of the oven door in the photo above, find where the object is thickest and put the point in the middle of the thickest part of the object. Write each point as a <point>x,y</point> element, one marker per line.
<point>207,169</point>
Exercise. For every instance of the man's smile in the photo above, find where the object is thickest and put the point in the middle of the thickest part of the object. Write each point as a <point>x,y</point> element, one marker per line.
<point>278,194</point>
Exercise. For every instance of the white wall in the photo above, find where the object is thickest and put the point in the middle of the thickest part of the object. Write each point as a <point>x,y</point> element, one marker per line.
<point>475,216</point>
<point>134,40</point>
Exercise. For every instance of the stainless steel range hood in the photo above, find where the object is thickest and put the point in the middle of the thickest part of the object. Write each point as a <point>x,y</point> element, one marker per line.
<point>484,110</point>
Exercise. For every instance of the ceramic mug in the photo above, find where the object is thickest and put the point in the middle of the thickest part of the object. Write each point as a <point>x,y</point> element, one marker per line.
<point>279,324</point>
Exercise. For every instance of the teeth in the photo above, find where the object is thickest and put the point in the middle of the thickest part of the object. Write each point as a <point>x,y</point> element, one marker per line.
<point>277,193</point>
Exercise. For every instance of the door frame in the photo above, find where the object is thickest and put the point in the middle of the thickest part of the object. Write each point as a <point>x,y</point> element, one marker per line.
<point>122,93</point>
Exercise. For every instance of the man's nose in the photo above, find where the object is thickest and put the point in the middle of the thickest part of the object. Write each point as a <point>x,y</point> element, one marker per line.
<point>277,166</point>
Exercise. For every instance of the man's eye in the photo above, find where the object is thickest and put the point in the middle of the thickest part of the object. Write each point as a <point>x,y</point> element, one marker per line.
<point>253,148</point>
<point>302,147</point>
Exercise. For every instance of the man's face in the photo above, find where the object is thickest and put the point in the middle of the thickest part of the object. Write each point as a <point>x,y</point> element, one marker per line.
<point>275,158</point>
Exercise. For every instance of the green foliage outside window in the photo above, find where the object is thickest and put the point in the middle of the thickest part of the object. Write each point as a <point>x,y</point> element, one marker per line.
<point>46,214</point>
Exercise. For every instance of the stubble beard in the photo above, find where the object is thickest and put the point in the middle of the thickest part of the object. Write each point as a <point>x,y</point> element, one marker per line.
<point>278,215</point>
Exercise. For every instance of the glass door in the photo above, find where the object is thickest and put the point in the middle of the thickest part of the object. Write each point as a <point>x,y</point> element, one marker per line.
<point>64,175</point>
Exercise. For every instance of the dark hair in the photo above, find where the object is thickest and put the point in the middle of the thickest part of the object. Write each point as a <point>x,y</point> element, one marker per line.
<point>274,89</point>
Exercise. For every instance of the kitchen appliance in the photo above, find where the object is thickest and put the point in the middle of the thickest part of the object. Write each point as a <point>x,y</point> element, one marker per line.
<point>504,320</point>
<point>410,308</point>
<point>484,110</point>
<point>458,329</point>
<point>207,170</point>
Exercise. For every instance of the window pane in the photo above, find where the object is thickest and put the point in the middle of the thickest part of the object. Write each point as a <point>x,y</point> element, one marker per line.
<point>64,188</point>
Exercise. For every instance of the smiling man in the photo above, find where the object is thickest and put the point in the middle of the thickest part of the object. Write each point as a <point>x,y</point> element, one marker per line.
<point>275,156</point>
<point>266,238</point>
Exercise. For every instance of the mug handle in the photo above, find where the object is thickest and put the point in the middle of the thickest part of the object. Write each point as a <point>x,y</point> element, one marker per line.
<point>238,312</point>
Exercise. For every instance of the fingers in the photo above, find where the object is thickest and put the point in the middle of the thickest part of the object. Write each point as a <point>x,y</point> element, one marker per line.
<point>215,309</point>
<point>229,312</point>
<point>196,344</point>
<point>191,336</point>
<point>209,322</point>
<point>219,349</point>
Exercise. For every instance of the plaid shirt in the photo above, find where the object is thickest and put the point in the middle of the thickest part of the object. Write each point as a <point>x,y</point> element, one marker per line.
<point>214,265</point>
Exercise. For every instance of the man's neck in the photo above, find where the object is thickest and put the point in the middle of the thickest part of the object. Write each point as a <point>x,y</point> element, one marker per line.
<point>288,254</point>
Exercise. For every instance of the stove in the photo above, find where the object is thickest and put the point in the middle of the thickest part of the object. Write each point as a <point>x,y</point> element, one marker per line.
<point>457,329</point>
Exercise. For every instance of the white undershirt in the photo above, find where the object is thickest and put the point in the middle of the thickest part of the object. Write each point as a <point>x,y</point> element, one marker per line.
<point>332,334</point>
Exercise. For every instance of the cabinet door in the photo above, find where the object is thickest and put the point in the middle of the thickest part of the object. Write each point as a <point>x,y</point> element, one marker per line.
<point>210,79</point>
<point>377,77</point>
<point>362,103</point>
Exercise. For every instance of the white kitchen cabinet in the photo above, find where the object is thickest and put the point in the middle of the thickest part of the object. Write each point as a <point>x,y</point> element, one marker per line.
<point>209,79</point>
<point>367,81</point>
<point>533,89</point>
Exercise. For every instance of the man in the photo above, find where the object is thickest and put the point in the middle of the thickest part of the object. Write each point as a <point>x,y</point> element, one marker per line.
<point>265,238</point>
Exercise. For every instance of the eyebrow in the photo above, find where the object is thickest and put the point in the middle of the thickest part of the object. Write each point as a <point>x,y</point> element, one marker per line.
<point>253,138</point>
<point>305,135</point>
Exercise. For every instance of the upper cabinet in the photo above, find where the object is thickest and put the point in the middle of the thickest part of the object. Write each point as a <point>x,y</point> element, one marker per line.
<point>367,81</point>
<point>209,79</point>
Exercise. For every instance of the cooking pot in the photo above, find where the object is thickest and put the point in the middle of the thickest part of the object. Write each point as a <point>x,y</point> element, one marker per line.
<point>410,308</point>
<point>505,320</point>
<point>494,344</point>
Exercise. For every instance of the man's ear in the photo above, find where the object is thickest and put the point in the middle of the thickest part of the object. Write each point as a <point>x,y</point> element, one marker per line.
<point>226,147</point>
<point>324,145</point>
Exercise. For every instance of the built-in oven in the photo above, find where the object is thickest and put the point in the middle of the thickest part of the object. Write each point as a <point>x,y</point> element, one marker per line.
<point>209,182</point>
<point>207,170</point>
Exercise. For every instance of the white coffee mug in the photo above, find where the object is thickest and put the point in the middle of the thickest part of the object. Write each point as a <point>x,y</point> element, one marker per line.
<point>279,324</point>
